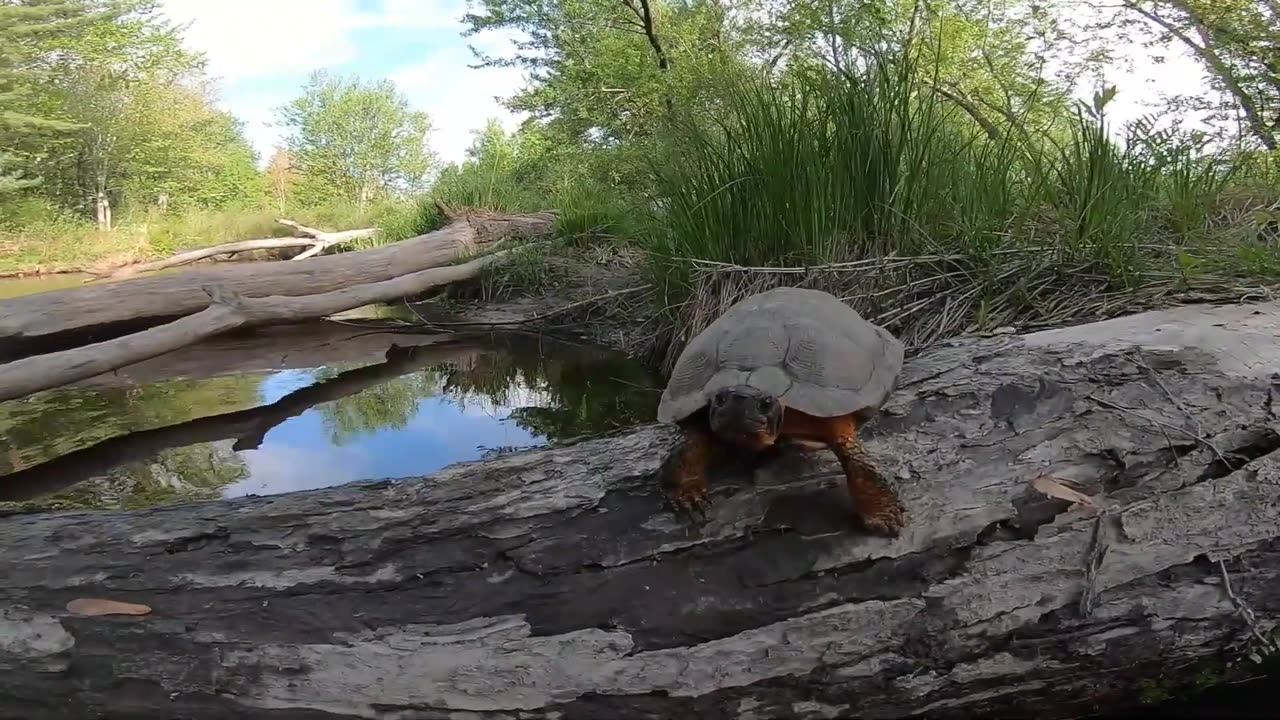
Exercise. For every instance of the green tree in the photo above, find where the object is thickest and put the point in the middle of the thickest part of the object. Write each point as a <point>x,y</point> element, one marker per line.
<point>607,74</point>
<point>117,79</point>
<point>356,141</point>
<point>190,154</point>
<point>24,26</point>
<point>1238,44</point>
<point>136,116</point>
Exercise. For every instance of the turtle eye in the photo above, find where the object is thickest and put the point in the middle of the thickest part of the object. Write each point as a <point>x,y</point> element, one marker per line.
<point>765,404</point>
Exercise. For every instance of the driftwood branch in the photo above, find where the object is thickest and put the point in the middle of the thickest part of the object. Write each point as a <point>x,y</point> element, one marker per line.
<point>59,319</point>
<point>555,584</point>
<point>316,242</point>
<point>226,311</point>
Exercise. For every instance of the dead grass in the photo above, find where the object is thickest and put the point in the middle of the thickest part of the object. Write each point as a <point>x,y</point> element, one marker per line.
<point>925,299</point>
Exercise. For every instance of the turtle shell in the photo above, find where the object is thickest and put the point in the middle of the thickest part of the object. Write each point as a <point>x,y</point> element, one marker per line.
<point>804,347</point>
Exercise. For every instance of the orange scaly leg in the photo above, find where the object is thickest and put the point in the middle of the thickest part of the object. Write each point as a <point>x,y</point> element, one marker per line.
<point>875,502</point>
<point>685,472</point>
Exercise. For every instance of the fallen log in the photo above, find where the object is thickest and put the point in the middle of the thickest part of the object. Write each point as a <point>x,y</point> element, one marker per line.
<point>288,347</point>
<point>68,317</point>
<point>554,584</point>
<point>316,242</point>
<point>248,427</point>
<point>226,311</point>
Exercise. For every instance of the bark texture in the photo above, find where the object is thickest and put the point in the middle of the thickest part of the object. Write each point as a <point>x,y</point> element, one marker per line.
<point>553,584</point>
<point>70,317</point>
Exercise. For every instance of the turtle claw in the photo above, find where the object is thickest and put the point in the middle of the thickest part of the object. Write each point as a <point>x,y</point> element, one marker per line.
<point>692,503</point>
<point>887,522</point>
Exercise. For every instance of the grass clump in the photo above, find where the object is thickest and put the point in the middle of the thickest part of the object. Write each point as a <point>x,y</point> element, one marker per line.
<point>876,189</point>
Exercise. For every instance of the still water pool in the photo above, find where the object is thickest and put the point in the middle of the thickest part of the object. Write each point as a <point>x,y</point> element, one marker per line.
<point>136,438</point>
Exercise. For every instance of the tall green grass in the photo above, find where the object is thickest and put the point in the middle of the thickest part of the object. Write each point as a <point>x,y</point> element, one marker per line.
<point>927,221</point>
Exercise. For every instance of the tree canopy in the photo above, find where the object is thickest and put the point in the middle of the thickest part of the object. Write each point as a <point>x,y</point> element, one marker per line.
<point>356,140</point>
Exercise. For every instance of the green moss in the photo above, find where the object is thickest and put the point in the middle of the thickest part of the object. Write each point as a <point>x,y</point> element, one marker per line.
<point>1153,691</point>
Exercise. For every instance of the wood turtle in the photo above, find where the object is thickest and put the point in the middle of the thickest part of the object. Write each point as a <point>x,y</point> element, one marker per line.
<point>790,365</point>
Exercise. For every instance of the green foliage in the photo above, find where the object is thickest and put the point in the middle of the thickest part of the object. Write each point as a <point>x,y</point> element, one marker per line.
<point>1235,43</point>
<point>586,392</point>
<point>24,26</point>
<point>819,169</point>
<point>825,169</point>
<point>355,141</point>
<point>527,171</point>
<point>125,115</point>
<point>386,406</point>
<point>936,224</point>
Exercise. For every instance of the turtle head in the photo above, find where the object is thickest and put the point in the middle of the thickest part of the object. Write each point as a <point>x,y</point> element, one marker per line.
<point>745,417</point>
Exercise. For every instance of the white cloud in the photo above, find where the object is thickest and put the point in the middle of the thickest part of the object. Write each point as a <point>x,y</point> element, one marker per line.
<point>458,99</point>
<point>253,39</point>
<point>257,49</point>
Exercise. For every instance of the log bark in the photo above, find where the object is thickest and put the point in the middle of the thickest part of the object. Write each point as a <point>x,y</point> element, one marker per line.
<point>316,242</point>
<point>69,317</point>
<point>554,584</point>
<point>226,311</point>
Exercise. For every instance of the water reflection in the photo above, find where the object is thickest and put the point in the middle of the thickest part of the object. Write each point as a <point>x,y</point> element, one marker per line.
<point>269,432</point>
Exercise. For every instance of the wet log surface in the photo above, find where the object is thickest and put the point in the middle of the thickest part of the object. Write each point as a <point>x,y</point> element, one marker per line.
<point>553,583</point>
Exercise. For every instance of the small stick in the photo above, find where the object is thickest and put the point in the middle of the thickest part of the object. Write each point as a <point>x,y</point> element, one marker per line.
<point>1093,562</point>
<point>1175,428</point>
<point>1244,610</point>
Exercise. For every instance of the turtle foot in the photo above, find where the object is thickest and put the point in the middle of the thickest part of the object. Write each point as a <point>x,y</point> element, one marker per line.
<point>885,518</point>
<point>878,508</point>
<point>685,474</point>
<point>691,502</point>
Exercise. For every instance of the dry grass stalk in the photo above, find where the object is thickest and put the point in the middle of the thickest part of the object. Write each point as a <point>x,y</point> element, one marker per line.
<point>929,298</point>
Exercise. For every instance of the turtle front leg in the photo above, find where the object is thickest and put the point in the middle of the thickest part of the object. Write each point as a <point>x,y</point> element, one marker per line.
<point>684,473</point>
<point>875,502</point>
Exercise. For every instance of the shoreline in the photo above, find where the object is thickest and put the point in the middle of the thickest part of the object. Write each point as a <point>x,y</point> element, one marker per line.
<point>39,273</point>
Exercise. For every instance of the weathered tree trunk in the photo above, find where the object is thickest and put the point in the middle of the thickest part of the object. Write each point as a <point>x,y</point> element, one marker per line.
<point>316,242</point>
<point>554,584</point>
<point>288,347</point>
<point>73,316</point>
<point>226,312</point>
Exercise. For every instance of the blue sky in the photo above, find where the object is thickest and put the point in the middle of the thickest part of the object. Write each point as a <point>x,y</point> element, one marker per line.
<point>261,51</point>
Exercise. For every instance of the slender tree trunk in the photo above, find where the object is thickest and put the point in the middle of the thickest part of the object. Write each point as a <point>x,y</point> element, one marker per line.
<point>102,206</point>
